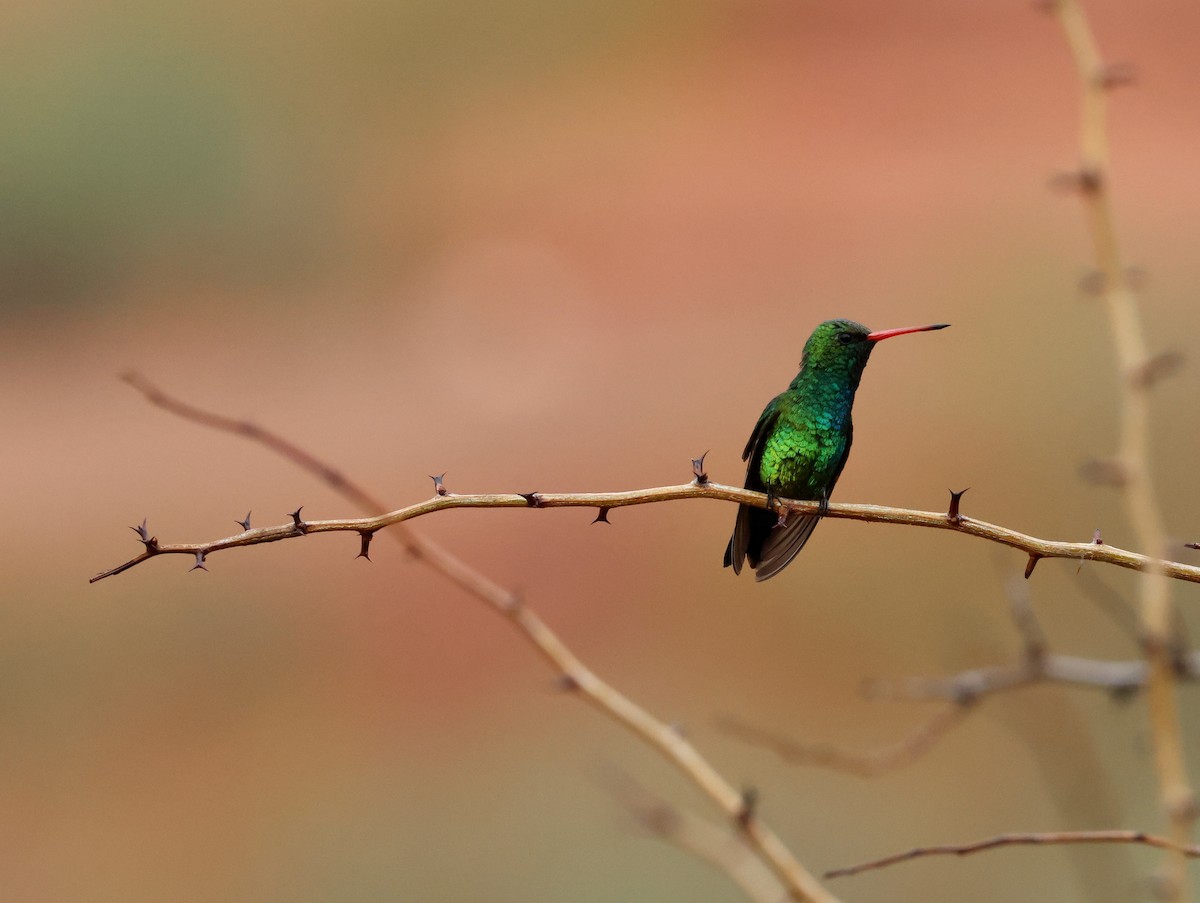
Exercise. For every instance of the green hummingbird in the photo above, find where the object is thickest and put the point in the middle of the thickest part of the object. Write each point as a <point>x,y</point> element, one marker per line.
<point>800,444</point>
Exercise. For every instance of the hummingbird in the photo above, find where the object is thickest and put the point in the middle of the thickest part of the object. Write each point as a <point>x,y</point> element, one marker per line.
<point>800,444</point>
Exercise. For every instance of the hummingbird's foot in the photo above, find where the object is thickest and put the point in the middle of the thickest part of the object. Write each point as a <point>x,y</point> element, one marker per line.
<point>823,508</point>
<point>774,503</point>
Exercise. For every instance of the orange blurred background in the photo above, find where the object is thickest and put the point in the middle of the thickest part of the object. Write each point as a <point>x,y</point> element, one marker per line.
<point>558,246</point>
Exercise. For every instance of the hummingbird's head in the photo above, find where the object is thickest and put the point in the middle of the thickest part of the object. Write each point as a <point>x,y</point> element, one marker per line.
<point>837,346</point>
<point>843,346</point>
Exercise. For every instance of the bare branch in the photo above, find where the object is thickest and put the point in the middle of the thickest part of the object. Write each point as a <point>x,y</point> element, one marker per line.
<point>1007,840</point>
<point>798,881</point>
<point>1117,677</point>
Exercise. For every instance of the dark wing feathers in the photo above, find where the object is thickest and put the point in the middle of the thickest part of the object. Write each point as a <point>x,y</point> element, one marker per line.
<point>766,420</point>
<point>740,543</point>
<point>744,528</point>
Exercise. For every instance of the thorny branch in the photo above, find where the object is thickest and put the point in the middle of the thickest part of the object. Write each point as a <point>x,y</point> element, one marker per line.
<point>606,501</point>
<point>738,806</point>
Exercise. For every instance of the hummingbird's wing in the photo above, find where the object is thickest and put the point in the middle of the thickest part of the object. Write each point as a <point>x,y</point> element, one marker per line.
<point>753,450</point>
<point>750,519</point>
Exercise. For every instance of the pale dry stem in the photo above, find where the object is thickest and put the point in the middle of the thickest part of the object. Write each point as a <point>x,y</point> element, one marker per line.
<point>1175,788</point>
<point>799,883</point>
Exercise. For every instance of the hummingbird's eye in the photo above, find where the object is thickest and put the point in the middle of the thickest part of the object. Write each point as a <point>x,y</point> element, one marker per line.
<point>845,338</point>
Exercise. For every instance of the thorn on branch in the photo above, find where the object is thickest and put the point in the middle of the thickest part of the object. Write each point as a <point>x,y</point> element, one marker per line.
<point>150,542</point>
<point>1156,368</point>
<point>966,695</point>
<point>245,522</point>
<point>1034,558</point>
<point>1093,283</point>
<point>1104,472</point>
<point>1122,693</point>
<point>199,565</point>
<point>698,469</point>
<point>364,550</point>
<point>746,811</point>
<point>1097,539</point>
<point>1116,75</point>
<point>602,517</point>
<point>955,497</point>
<point>1083,181</point>
<point>439,484</point>
<point>531,498</point>
<point>297,523</point>
<point>566,683</point>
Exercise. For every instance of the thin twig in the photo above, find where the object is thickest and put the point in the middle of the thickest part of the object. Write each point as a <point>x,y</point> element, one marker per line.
<point>1006,840</point>
<point>1117,677</point>
<point>864,764</point>
<point>1132,461</point>
<point>799,882</point>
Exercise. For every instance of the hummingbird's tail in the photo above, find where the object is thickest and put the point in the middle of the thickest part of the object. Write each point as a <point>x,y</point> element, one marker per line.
<point>782,544</point>
<point>769,547</point>
<point>746,538</point>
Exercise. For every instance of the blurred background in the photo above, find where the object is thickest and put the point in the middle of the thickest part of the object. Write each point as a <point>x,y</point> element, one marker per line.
<point>558,246</point>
